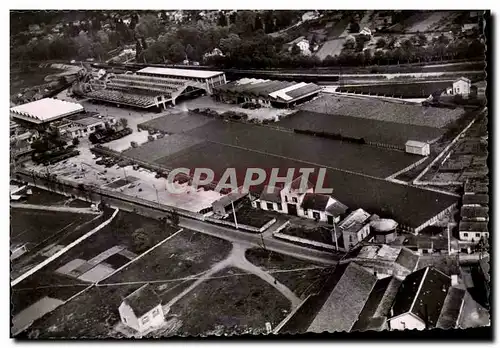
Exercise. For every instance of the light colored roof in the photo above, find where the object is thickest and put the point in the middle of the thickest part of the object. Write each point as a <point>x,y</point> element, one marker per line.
<point>415,143</point>
<point>282,93</point>
<point>359,215</point>
<point>45,110</point>
<point>462,79</point>
<point>201,74</point>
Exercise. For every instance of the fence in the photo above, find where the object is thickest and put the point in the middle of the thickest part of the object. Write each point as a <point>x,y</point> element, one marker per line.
<point>242,226</point>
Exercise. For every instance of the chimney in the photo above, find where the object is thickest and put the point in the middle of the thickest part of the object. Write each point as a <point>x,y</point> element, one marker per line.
<point>454,279</point>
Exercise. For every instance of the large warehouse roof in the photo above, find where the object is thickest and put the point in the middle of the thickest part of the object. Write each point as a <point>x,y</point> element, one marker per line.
<point>45,110</point>
<point>199,74</point>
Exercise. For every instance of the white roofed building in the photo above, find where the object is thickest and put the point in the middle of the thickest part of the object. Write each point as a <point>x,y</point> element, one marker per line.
<point>45,110</point>
<point>266,92</point>
<point>418,148</point>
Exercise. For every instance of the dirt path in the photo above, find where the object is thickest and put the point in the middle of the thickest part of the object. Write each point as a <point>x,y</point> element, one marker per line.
<point>54,208</point>
<point>237,259</point>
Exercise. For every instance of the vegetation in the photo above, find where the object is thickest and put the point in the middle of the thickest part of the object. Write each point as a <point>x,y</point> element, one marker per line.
<point>241,36</point>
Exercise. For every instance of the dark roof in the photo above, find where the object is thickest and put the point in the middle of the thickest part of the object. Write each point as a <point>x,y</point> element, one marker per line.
<point>407,259</point>
<point>378,305</point>
<point>142,300</point>
<point>346,301</point>
<point>272,196</point>
<point>474,212</point>
<point>479,226</point>
<point>480,198</point>
<point>336,209</point>
<point>476,186</point>
<point>295,185</point>
<point>315,201</point>
<point>422,293</point>
<point>299,92</point>
<point>451,309</point>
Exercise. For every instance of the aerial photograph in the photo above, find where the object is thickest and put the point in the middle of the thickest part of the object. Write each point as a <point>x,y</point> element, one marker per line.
<point>202,173</point>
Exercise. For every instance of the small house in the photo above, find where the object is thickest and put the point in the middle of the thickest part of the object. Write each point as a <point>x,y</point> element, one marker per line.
<point>461,86</point>
<point>142,309</point>
<point>355,228</point>
<point>473,231</point>
<point>418,148</point>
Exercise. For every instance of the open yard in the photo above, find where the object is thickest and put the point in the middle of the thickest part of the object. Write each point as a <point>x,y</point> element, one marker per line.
<point>371,130</point>
<point>187,254</point>
<point>230,303</point>
<point>370,108</point>
<point>246,215</point>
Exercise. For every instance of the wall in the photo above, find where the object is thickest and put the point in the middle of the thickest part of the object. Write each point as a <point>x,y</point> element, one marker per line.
<point>241,226</point>
<point>303,241</point>
<point>126,312</point>
<point>156,321</point>
<point>406,322</point>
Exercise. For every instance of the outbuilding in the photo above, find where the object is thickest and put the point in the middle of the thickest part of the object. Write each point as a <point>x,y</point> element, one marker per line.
<point>142,309</point>
<point>418,148</point>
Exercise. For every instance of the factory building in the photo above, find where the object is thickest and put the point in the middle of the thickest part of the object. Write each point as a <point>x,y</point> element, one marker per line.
<point>268,93</point>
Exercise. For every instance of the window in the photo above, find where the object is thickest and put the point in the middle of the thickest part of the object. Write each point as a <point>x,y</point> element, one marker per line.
<point>316,215</point>
<point>478,235</point>
<point>286,198</point>
<point>350,238</point>
<point>156,312</point>
<point>124,320</point>
<point>145,319</point>
<point>280,207</point>
<point>305,212</point>
<point>466,234</point>
<point>269,206</point>
<point>294,199</point>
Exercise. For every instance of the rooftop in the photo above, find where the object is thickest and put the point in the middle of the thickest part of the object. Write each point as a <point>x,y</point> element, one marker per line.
<point>271,194</point>
<point>422,293</point>
<point>345,303</point>
<point>451,309</point>
<point>200,74</point>
<point>474,212</point>
<point>46,110</point>
<point>359,216</point>
<point>142,300</point>
<point>89,121</point>
<point>230,197</point>
<point>480,198</point>
<point>415,143</point>
<point>473,226</point>
<point>315,201</point>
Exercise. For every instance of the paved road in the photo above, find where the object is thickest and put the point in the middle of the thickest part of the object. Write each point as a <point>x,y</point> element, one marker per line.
<point>229,234</point>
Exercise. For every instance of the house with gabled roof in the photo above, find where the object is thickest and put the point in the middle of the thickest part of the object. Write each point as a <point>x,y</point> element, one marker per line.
<point>420,300</point>
<point>297,198</point>
<point>142,309</point>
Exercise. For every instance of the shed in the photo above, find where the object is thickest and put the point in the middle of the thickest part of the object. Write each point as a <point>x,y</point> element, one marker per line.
<point>418,147</point>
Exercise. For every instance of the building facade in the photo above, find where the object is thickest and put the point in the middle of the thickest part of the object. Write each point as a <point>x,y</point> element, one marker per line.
<point>142,310</point>
<point>462,87</point>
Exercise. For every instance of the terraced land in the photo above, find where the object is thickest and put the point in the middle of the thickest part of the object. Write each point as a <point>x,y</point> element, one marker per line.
<point>384,132</point>
<point>370,108</point>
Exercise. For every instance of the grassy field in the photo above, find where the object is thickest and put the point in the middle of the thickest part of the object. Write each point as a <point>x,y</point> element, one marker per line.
<point>371,130</point>
<point>34,226</point>
<point>187,254</point>
<point>332,153</point>
<point>157,149</point>
<point>370,108</point>
<point>247,215</point>
<point>176,123</point>
<point>233,304</point>
<point>399,90</point>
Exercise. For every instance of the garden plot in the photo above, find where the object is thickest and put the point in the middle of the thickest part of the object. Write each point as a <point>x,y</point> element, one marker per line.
<point>246,215</point>
<point>371,108</point>
<point>231,303</point>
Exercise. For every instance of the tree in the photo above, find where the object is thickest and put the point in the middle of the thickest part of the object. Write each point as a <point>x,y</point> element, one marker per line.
<point>190,52</point>
<point>176,53</point>
<point>354,27</point>
<point>381,43</point>
<point>141,240</point>
<point>230,44</point>
<point>148,26</point>
<point>222,20</point>
<point>123,122</point>
<point>76,141</point>
<point>296,50</point>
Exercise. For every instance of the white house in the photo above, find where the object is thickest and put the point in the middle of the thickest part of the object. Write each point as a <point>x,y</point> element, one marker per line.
<point>297,198</point>
<point>461,86</point>
<point>412,308</point>
<point>418,148</point>
<point>473,231</point>
<point>142,310</point>
<point>354,228</point>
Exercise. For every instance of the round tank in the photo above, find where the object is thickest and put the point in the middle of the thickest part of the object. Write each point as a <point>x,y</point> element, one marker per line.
<point>383,225</point>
